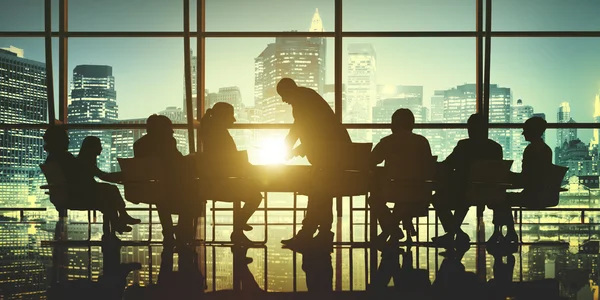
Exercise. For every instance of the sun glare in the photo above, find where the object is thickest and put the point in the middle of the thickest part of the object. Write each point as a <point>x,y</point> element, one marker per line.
<point>271,151</point>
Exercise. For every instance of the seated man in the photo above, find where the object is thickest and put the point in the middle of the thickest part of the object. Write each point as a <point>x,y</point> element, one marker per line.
<point>159,143</point>
<point>453,195</point>
<point>406,155</point>
<point>537,157</point>
<point>82,186</point>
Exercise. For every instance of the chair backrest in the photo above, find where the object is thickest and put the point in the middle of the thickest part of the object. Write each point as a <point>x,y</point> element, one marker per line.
<point>209,166</point>
<point>141,169</point>
<point>58,189</point>
<point>488,181</point>
<point>143,180</point>
<point>53,173</point>
<point>490,171</point>
<point>546,191</point>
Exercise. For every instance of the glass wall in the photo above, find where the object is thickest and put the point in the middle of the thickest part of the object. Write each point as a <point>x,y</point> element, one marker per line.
<point>103,67</point>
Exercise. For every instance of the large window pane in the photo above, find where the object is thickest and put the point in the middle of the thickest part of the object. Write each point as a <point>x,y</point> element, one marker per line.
<point>135,15</point>
<point>405,15</point>
<point>125,80</point>
<point>23,91</point>
<point>269,15</point>
<point>246,71</point>
<point>545,15</point>
<point>554,76</point>
<point>382,75</point>
<point>22,15</point>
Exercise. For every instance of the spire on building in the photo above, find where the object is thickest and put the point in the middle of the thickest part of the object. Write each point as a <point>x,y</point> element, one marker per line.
<point>317,24</point>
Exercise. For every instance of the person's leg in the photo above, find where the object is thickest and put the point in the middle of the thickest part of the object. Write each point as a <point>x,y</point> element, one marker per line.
<point>310,223</point>
<point>447,219</point>
<point>389,226</point>
<point>251,204</point>
<point>166,223</point>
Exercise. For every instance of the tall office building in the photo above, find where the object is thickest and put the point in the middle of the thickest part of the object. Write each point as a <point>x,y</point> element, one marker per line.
<point>122,142</point>
<point>565,135</point>
<point>436,136</point>
<point>596,138</point>
<point>460,104</point>
<point>500,112</point>
<point>93,101</point>
<point>361,88</point>
<point>299,58</point>
<point>193,68</point>
<point>23,99</point>
<point>520,114</point>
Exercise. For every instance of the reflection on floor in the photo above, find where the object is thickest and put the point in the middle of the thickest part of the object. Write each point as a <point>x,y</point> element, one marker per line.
<point>225,270</point>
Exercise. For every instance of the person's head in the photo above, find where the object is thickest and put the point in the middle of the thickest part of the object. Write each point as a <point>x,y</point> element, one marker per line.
<point>403,120</point>
<point>534,128</point>
<point>159,125</point>
<point>476,126</point>
<point>220,115</point>
<point>286,88</point>
<point>56,139</point>
<point>91,146</point>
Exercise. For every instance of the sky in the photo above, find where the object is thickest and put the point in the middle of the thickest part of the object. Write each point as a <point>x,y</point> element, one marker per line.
<point>149,71</point>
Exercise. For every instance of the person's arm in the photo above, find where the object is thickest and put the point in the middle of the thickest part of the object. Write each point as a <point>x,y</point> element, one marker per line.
<point>290,141</point>
<point>453,158</point>
<point>378,154</point>
<point>116,177</point>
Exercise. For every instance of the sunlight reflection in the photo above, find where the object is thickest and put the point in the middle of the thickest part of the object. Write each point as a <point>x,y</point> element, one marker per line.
<point>271,151</point>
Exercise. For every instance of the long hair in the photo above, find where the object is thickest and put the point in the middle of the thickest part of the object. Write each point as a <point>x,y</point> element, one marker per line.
<point>211,117</point>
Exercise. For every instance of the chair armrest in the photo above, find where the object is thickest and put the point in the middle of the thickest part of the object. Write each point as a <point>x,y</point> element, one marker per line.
<point>49,186</point>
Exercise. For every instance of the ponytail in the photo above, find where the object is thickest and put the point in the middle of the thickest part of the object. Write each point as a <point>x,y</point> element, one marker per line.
<point>205,124</point>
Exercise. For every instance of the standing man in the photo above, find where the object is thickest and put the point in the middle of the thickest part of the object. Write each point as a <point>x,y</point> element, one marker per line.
<point>316,126</point>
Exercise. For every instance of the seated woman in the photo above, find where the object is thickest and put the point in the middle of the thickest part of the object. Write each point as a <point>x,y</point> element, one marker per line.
<point>81,183</point>
<point>219,147</point>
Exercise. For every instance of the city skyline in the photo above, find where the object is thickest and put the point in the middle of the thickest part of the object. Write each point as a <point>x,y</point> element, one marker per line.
<point>539,83</point>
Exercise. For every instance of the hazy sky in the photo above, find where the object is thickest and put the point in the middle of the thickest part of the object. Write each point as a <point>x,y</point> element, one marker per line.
<point>149,71</point>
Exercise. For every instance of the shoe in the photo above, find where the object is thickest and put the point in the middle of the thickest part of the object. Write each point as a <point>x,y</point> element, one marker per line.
<point>445,241</point>
<point>300,237</point>
<point>123,228</point>
<point>240,238</point>
<point>324,238</point>
<point>127,219</point>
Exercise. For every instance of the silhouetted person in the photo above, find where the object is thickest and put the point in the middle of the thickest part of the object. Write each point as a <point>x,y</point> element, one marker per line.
<point>219,147</point>
<point>318,129</point>
<point>537,157</point>
<point>405,154</point>
<point>453,195</point>
<point>81,184</point>
<point>160,144</point>
<point>452,281</point>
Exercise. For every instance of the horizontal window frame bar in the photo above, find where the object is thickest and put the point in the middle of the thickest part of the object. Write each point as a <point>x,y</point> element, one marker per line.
<point>270,34</point>
<point>266,126</point>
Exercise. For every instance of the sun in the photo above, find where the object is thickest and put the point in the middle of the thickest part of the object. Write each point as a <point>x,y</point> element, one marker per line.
<point>271,151</point>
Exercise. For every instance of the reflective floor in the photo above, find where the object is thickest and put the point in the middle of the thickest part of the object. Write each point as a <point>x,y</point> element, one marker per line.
<point>558,255</point>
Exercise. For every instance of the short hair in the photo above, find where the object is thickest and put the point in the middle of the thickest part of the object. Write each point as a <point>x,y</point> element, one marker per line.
<point>535,125</point>
<point>56,138</point>
<point>285,85</point>
<point>403,118</point>
<point>476,120</point>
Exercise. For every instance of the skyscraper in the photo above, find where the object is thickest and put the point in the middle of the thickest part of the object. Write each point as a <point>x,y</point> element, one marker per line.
<point>299,58</point>
<point>23,99</point>
<point>93,101</point>
<point>122,142</point>
<point>436,136</point>
<point>361,88</point>
<point>500,112</point>
<point>596,138</point>
<point>565,135</point>
<point>520,114</point>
